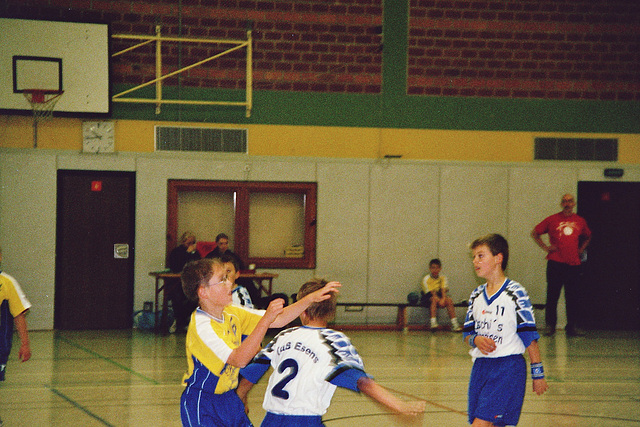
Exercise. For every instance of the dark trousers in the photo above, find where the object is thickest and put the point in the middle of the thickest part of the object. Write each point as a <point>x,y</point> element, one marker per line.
<point>182,306</point>
<point>559,275</point>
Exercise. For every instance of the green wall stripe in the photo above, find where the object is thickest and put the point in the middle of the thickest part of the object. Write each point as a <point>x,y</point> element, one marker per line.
<point>397,111</point>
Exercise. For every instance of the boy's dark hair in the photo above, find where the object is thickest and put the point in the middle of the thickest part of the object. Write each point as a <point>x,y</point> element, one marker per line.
<point>221,236</point>
<point>196,274</point>
<point>323,310</point>
<point>435,261</point>
<point>233,260</point>
<point>496,244</point>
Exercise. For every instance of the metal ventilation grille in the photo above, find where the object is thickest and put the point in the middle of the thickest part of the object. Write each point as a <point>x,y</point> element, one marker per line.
<point>174,138</point>
<point>596,149</point>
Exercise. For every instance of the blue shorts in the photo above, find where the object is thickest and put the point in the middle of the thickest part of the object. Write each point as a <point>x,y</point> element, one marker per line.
<point>199,408</point>
<point>496,389</point>
<point>275,420</point>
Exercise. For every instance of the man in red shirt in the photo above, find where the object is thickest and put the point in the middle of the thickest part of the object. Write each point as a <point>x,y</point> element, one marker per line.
<point>569,236</point>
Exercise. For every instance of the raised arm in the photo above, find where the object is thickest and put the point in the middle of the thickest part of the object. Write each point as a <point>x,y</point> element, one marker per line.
<point>243,354</point>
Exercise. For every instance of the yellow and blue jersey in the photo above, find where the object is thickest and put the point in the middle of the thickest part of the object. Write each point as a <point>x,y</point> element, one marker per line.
<point>209,343</point>
<point>12,303</point>
<point>10,291</point>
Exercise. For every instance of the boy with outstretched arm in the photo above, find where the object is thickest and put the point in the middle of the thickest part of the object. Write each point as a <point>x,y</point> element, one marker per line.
<point>221,339</point>
<point>309,362</point>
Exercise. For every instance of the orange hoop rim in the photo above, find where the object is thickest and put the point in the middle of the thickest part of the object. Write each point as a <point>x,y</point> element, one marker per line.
<point>37,96</point>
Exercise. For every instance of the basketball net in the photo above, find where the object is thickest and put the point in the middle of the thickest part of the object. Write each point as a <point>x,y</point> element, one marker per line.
<point>42,103</point>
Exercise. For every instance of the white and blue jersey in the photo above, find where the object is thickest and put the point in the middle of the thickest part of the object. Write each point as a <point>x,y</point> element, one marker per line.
<point>240,296</point>
<point>308,364</point>
<point>506,317</point>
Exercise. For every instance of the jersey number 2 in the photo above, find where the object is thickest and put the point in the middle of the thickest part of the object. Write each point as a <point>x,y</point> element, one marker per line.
<point>278,390</point>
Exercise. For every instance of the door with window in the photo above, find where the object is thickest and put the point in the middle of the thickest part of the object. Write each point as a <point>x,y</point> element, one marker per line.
<point>94,250</point>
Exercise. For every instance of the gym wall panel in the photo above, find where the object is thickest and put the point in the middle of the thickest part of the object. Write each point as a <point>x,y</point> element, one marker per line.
<point>473,202</point>
<point>404,219</point>
<point>343,226</point>
<point>28,229</point>
<point>374,231</point>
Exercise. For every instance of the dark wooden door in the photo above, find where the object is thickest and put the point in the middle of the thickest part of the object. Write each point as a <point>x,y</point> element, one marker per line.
<point>611,274</point>
<point>94,250</point>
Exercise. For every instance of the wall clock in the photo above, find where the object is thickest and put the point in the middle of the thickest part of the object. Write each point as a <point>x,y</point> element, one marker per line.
<point>98,136</point>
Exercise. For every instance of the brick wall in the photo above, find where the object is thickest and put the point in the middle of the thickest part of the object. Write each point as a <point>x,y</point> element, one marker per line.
<point>569,49</point>
<point>553,49</point>
<point>320,46</point>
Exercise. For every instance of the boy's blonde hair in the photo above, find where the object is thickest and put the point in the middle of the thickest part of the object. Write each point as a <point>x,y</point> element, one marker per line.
<point>187,235</point>
<point>323,310</point>
<point>198,273</point>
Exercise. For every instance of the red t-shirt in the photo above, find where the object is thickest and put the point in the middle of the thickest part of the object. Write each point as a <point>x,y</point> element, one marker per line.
<point>564,233</point>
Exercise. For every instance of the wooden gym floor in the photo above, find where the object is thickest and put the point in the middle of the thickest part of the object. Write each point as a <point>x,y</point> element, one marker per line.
<point>126,378</point>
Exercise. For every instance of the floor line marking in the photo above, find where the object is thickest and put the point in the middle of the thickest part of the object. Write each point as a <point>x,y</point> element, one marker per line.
<point>106,359</point>
<point>80,407</point>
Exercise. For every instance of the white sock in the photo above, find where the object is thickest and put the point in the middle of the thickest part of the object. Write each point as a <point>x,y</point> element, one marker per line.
<point>454,322</point>
<point>434,321</point>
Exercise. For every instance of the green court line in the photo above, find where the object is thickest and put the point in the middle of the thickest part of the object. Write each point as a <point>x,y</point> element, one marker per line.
<point>80,407</point>
<point>106,359</point>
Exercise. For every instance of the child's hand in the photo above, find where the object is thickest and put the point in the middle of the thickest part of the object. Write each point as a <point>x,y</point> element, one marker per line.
<point>275,308</point>
<point>325,292</point>
<point>24,353</point>
<point>485,344</point>
<point>540,386</point>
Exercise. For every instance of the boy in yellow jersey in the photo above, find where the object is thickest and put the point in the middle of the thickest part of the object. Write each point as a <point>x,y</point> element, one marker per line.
<point>221,339</point>
<point>434,295</point>
<point>13,308</point>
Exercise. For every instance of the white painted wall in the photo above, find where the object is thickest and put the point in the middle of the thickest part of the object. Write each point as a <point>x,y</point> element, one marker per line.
<point>379,222</point>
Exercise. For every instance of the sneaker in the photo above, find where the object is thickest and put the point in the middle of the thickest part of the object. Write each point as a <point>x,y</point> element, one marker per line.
<point>575,332</point>
<point>549,331</point>
<point>456,328</point>
<point>173,327</point>
<point>434,326</point>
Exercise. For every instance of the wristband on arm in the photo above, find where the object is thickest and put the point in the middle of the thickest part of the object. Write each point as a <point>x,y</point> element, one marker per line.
<point>537,371</point>
<point>471,340</point>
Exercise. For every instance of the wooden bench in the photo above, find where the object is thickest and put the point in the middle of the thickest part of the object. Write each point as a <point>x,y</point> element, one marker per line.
<point>401,317</point>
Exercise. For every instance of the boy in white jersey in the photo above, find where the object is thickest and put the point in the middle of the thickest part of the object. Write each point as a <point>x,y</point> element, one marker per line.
<point>499,327</point>
<point>309,362</point>
<point>221,339</point>
<point>240,295</point>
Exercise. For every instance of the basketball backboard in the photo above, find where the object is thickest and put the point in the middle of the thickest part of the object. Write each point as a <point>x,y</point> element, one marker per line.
<point>55,56</point>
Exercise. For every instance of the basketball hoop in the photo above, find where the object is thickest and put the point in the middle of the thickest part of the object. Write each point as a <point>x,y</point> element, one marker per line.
<point>42,102</point>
